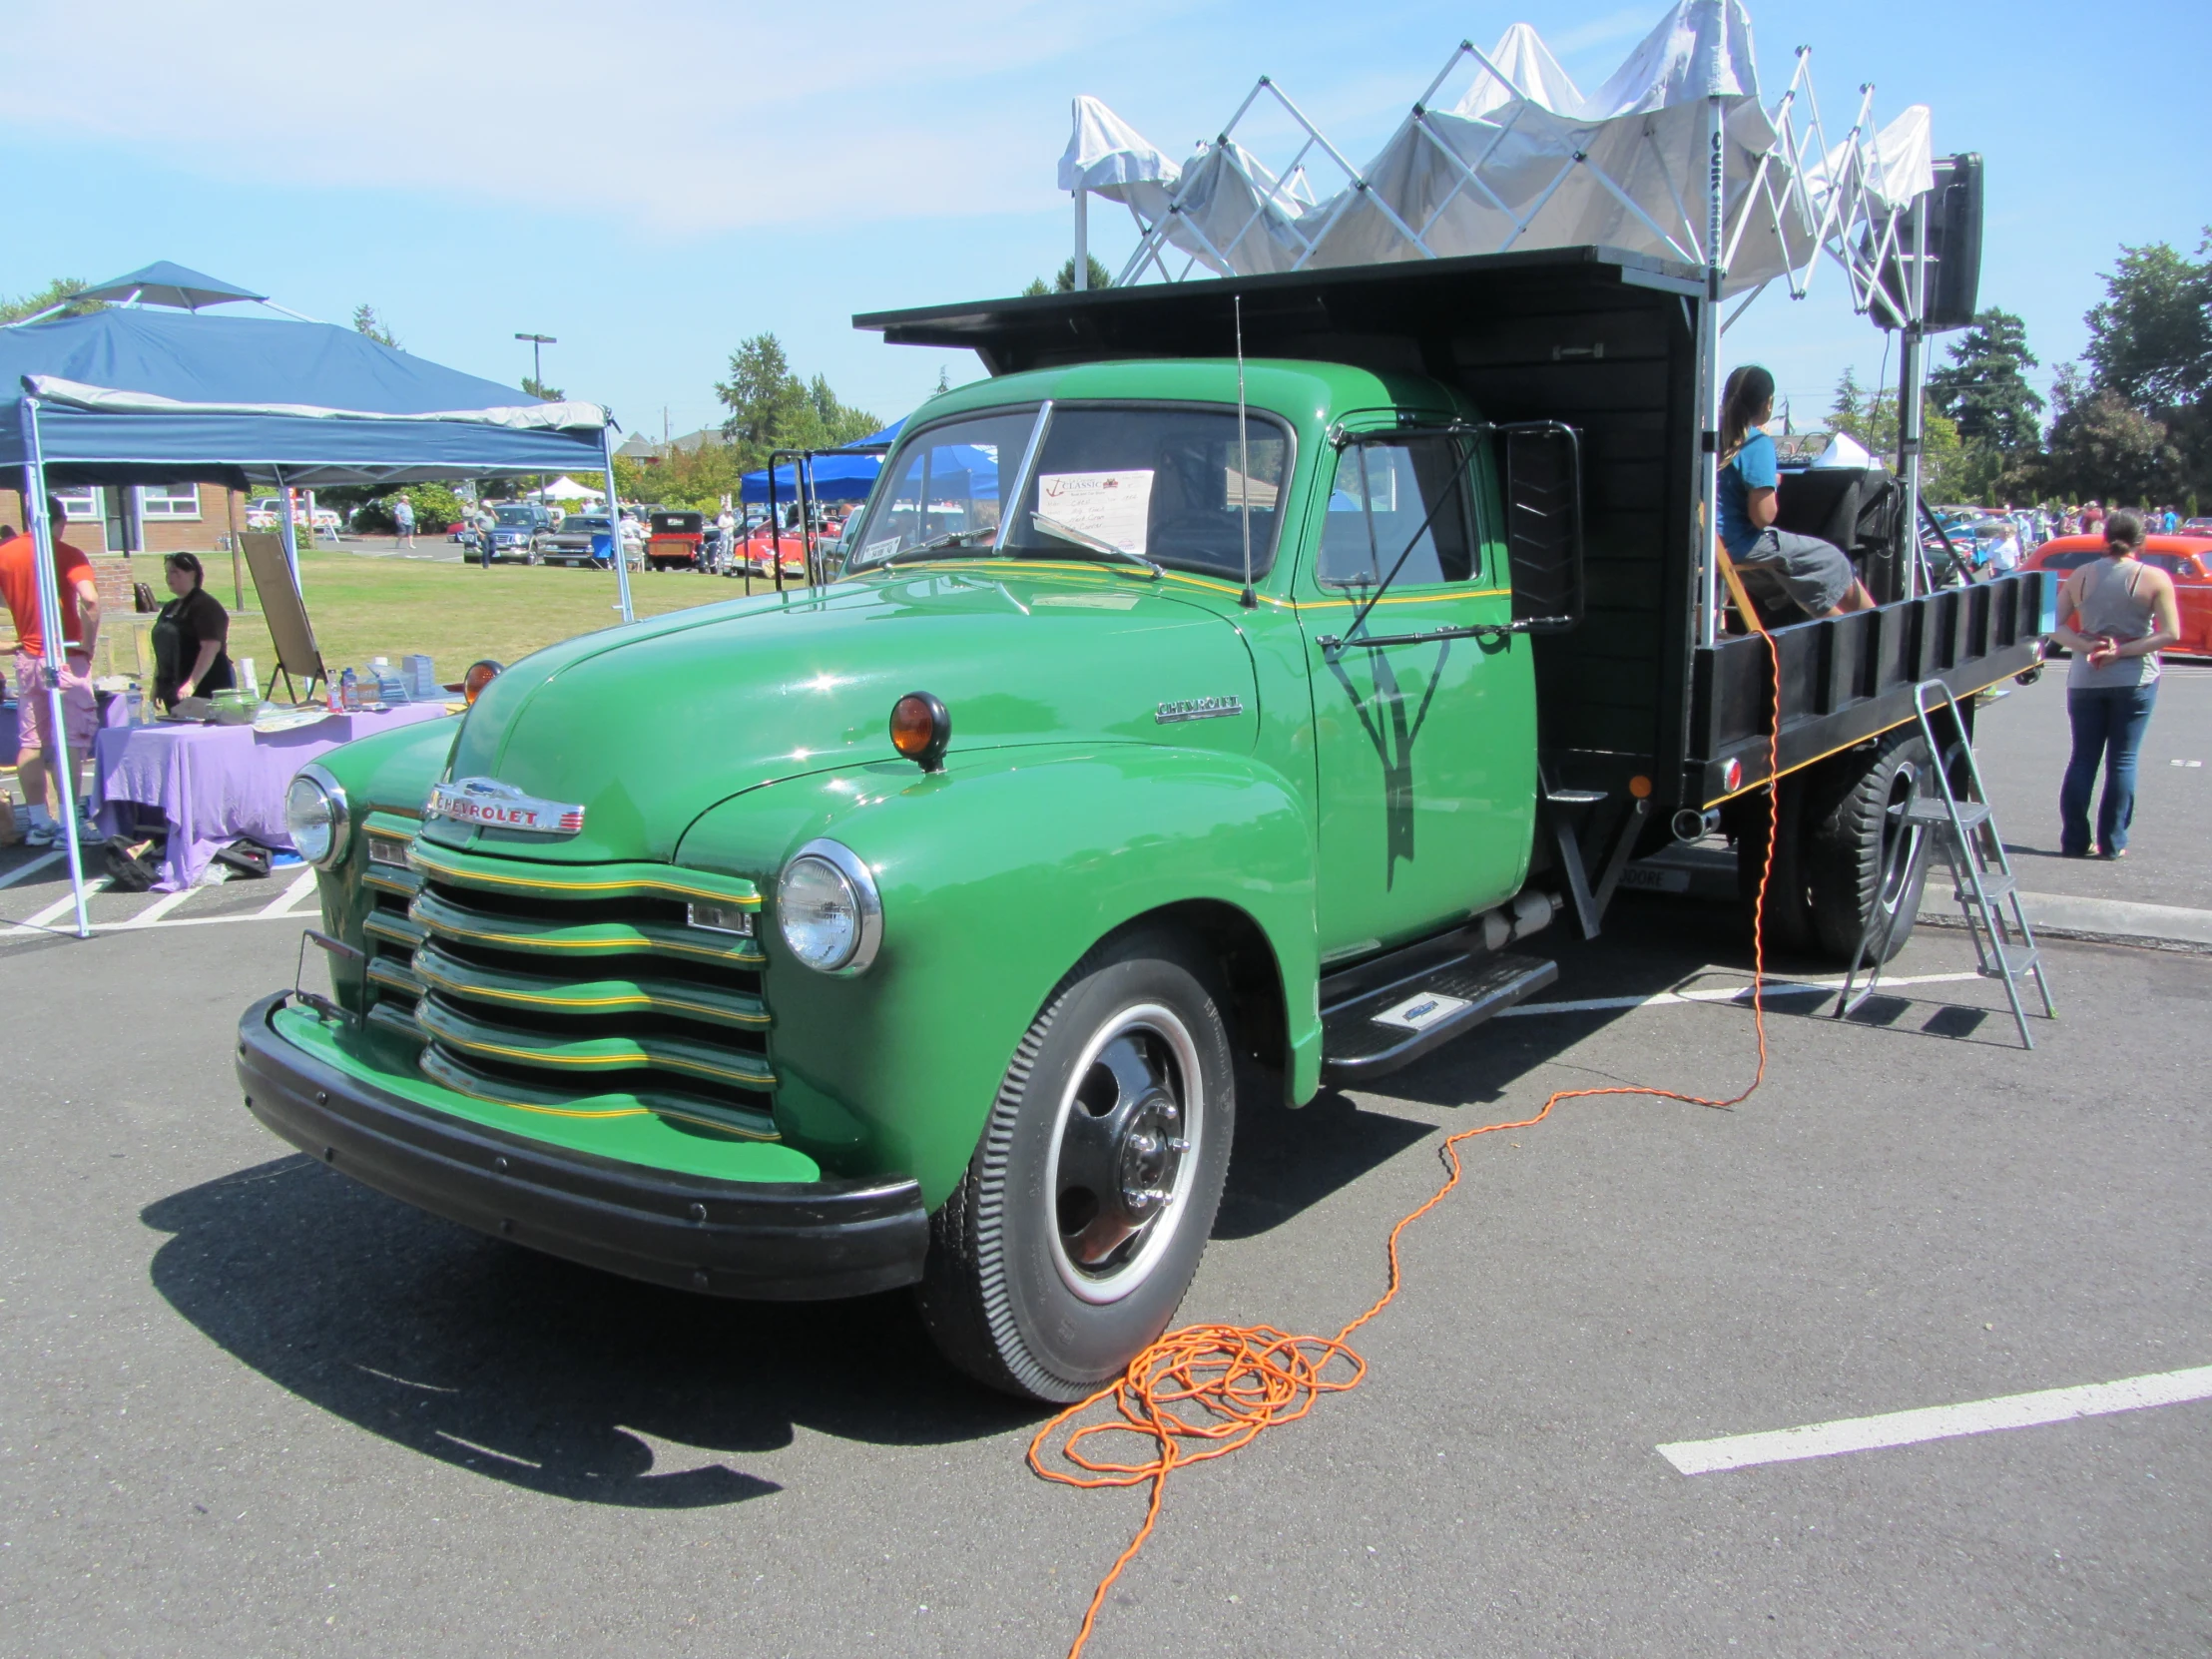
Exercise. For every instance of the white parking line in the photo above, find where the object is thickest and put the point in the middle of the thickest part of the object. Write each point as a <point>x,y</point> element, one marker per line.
<point>1940,1423</point>
<point>1732,993</point>
<point>38,922</point>
<point>304,884</point>
<point>153,913</point>
<point>32,868</point>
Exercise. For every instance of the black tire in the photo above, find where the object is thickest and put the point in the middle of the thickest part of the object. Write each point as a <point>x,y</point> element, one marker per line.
<point>1850,838</point>
<point>1031,1284</point>
<point>1789,909</point>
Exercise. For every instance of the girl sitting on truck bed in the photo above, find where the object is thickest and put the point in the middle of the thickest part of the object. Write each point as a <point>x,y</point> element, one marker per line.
<point>1779,568</point>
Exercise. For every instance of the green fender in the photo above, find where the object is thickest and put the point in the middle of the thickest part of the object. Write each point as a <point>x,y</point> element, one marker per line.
<point>996,875</point>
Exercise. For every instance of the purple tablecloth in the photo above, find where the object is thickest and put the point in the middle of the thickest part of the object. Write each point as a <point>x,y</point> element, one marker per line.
<point>217,782</point>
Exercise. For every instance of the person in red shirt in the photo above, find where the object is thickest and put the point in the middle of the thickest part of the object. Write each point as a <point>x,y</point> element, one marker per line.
<point>79,633</point>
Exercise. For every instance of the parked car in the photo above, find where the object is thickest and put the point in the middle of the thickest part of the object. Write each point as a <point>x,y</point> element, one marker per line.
<point>515,530</point>
<point>262,511</point>
<point>2187,559</point>
<point>582,539</point>
<point>676,540</point>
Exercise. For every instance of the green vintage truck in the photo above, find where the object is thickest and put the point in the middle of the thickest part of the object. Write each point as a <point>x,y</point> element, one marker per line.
<point>1177,716</point>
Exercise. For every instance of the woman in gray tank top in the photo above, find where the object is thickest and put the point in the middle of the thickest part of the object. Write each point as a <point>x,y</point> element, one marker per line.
<point>2115,615</point>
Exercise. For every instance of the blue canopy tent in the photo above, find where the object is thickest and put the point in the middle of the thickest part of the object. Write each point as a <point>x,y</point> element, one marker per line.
<point>832,475</point>
<point>131,395</point>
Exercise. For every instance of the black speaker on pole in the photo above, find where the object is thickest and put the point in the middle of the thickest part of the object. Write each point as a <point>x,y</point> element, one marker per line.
<point>1954,250</point>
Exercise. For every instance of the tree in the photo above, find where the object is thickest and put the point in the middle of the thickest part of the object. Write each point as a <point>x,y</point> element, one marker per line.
<point>2150,338</point>
<point>770,408</point>
<point>367,321</point>
<point>944,382</point>
<point>1849,412</point>
<point>1873,421</point>
<point>62,290</point>
<point>2104,447</point>
<point>543,392</point>
<point>1064,281</point>
<point>838,422</point>
<point>765,402</point>
<point>1982,390</point>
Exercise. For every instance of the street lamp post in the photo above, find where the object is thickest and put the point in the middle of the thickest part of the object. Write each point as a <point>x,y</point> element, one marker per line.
<point>538,342</point>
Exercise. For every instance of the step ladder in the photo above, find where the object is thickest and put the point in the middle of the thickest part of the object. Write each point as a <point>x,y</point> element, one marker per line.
<point>1965,830</point>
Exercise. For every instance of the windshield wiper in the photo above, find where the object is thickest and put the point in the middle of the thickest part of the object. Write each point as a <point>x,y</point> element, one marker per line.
<point>1091,545</point>
<point>935,544</point>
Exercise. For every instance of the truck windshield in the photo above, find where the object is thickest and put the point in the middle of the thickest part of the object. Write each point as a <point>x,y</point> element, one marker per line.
<point>1165,483</point>
<point>942,485</point>
<point>517,515</point>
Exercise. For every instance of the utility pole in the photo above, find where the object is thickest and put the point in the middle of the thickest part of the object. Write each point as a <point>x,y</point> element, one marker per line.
<point>538,344</point>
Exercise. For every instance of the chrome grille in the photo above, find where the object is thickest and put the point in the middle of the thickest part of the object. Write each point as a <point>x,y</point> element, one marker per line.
<point>583,990</point>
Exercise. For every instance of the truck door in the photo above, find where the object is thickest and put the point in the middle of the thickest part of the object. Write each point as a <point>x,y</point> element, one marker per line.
<point>1425,747</point>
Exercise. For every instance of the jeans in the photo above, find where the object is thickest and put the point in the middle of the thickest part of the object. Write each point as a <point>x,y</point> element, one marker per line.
<point>2108,723</point>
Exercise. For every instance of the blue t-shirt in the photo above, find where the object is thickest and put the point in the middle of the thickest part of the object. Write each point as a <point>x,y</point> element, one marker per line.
<point>1751,468</point>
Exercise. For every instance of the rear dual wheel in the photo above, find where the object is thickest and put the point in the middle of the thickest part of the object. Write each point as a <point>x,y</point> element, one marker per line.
<point>1846,861</point>
<point>1078,1226</point>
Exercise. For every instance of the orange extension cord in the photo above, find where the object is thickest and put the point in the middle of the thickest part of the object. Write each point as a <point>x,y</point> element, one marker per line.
<point>1207,1389</point>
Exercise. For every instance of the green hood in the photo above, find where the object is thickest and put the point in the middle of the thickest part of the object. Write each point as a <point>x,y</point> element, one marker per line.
<point>647,727</point>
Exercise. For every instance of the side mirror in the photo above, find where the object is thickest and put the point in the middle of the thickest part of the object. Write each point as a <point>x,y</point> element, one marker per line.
<point>1541,466</point>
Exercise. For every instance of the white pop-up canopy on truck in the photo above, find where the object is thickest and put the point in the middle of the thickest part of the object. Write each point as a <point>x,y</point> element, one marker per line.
<point>1521,158</point>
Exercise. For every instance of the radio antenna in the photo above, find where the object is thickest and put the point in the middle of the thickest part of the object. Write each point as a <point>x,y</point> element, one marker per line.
<point>1244,458</point>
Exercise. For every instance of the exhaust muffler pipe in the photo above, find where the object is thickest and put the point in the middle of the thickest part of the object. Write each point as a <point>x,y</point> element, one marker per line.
<point>1693,824</point>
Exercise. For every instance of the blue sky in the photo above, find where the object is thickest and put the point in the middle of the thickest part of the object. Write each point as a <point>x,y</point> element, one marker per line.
<point>654,182</point>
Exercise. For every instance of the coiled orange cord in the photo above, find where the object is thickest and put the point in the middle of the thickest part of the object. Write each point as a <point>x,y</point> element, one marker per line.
<point>1207,1389</point>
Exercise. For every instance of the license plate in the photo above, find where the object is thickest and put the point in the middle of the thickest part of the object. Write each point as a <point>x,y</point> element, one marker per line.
<point>497,805</point>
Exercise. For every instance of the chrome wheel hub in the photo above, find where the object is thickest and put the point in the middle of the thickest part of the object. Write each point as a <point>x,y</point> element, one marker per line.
<point>1123,1154</point>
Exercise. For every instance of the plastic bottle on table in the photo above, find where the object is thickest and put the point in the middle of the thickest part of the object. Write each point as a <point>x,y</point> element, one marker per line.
<point>349,691</point>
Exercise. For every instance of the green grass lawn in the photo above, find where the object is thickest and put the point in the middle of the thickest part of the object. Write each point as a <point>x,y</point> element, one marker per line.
<point>362,608</point>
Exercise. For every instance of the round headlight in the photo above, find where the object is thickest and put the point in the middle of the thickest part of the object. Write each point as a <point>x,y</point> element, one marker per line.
<point>829,909</point>
<point>314,814</point>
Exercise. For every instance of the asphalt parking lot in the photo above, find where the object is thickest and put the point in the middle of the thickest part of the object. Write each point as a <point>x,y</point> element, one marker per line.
<point>247,1406</point>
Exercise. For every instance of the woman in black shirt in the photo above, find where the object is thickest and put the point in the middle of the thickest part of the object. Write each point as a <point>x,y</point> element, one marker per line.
<point>189,637</point>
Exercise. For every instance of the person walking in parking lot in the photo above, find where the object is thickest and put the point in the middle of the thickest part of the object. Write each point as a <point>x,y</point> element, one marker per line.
<point>403,518</point>
<point>2116,613</point>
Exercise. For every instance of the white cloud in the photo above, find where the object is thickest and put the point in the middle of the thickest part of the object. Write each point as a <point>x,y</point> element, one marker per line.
<point>682,115</point>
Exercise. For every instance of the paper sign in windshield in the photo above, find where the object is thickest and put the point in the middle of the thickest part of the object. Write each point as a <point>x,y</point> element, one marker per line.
<point>1113,507</point>
<point>878,550</point>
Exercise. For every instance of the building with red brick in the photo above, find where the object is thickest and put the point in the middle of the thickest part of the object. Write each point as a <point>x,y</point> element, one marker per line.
<point>149,518</point>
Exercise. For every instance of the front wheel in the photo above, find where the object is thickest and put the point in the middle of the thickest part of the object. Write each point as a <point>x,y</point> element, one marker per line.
<point>1067,1247</point>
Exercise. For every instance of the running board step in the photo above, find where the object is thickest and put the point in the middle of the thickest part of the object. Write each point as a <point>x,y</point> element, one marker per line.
<point>1398,1024</point>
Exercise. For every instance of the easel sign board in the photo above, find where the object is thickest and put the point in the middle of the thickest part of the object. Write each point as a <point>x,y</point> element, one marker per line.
<point>283,608</point>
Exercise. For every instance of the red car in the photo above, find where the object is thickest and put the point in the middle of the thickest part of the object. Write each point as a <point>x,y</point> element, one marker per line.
<point>2187,559</point>
<point>755,555</point>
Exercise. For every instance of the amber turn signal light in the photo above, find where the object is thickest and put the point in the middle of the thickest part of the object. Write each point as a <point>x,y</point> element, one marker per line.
<point>479,676</point>
<point>920,729</point>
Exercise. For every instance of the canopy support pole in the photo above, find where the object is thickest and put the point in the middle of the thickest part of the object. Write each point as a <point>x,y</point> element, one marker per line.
<point>64,773</point>
<point>1709,377</point>
<point>1912,361</point>
<point>1082,265</point>
<point>774,525</point>
<point>614,524</point>
<point>287,529</point>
